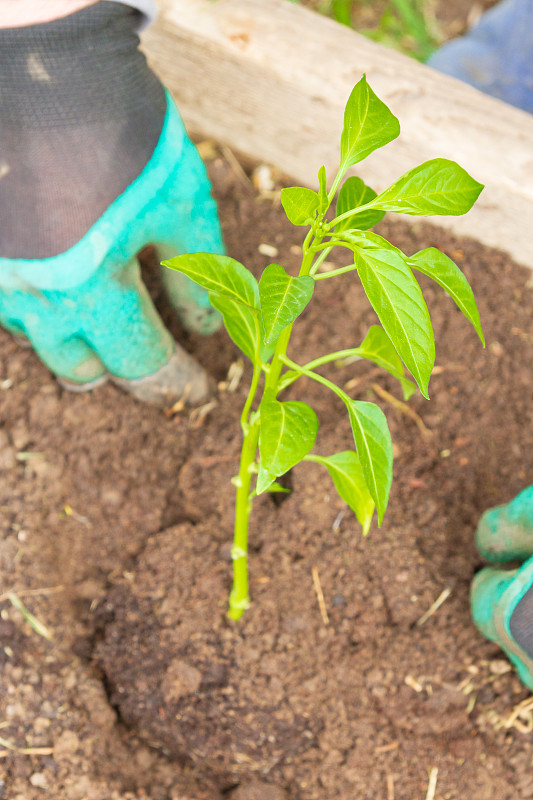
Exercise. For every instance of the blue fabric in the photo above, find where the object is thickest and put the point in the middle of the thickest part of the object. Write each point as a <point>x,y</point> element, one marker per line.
<point>502,599</point>
<point>496,56</point>
<point>86,311</point>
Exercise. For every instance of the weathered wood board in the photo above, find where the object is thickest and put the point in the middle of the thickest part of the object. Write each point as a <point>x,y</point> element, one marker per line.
<point>270,79</point>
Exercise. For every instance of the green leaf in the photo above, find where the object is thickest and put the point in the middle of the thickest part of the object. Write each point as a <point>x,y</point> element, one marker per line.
<point>408,388</point>
<point>438,186</point>
<point>378,348</point>
<point>368,240</point>
<point>288,432</point>
<point>283,298</point>
<point>374,448</point>
<point>368,124</point>
<point>446,273</point>
<point>347,475</point>
<point>220,275</point>
<point>397,299</point>
<point>354,193</point>
<point>277,487</point>
<point>300,204</point>
<point>322,190</point>
<point>342,11</point>
<point>241,323</point>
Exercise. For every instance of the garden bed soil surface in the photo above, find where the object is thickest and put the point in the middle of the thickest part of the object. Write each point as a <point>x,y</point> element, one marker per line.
<point>116,531</point>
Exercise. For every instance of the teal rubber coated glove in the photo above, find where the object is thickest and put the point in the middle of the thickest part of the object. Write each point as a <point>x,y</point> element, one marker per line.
<point>502,599</point>
<point>98,318</point>
<point>77,94</point>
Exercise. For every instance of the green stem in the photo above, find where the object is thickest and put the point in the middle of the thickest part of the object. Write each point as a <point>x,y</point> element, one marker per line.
<point>334,272</point>
<point>318,378</point>
<point>352,213</point>
<point>276,366</point>
<point>322,257</point>
<point>318,362</point>
<point>315,458</point>
<point>249,400</point>
<point>338,178</point>
<point>239,599</point>
<point>308,254</point>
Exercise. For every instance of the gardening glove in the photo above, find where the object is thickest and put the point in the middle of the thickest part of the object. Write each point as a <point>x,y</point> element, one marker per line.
<point>502,599</point>
<point>95,163</point>
<point>496,56</point>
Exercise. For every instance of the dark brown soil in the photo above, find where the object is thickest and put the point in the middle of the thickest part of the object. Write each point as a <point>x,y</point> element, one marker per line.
<point>116,524</point>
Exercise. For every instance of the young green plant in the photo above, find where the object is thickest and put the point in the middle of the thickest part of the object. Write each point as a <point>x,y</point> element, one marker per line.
<point>259,317</point>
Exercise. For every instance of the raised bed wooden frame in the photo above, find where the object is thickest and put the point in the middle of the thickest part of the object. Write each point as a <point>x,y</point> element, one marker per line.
<point>270,79</point>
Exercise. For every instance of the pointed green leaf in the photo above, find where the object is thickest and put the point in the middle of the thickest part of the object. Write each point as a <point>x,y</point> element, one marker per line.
<point>283,298</point>
<point>288,432</point>
<point>219,274</point>
<point>277,487</point>
<point>438,186</point>
<point>446,273</point>
<point>300,204</point>
<point>322,190</point>
<point>378,348</point>
<point>347,475</point>
<point>368,124</point>
<point>374,448</point>
<point>354,193</point>
<point>241,323</point>
<point>368,240</point>
<point>408,388</point>
<point>397,299</point>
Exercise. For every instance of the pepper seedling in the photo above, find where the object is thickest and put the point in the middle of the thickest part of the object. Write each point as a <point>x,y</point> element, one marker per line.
<point>259,317</point>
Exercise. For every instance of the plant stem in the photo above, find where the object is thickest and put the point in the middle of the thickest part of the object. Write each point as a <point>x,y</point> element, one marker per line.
<point>353,212</point>
<point>335,272</point>
<point>318,362</point>
<point>338,178</point>
<point>322,257</point>
<point>250,399</point>
<point>313,375</point>
<point>239,600</point>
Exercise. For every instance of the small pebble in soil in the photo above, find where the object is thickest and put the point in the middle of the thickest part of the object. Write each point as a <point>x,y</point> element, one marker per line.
<point>258,790</point>
<point>268,250</point>
<point>38,779</point>
<point>338,600</point>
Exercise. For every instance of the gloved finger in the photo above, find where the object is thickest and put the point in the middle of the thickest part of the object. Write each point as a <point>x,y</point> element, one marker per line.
<point>120,321</point>
<point>137,349</point>
<point>502,610</point>
<point>505,533</point>
<point>189,300</point>
<point>170,206</point>
<point>49,327</point>
<point>186,222</point>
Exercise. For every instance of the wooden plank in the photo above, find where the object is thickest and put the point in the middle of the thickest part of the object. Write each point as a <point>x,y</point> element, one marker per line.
<point>270,79</point>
